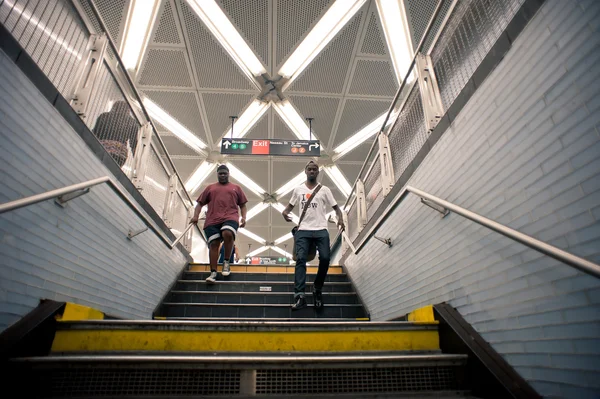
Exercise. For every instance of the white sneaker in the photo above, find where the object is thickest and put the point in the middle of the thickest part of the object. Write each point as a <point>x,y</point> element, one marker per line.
<point>226,269</point>
<point>212,278</point>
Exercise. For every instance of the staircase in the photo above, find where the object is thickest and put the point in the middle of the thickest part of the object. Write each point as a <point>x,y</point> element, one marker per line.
<point>239,338</point>
<point>258,293</point>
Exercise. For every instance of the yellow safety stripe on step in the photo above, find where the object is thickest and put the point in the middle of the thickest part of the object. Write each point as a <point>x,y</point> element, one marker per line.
<point>265,269</point>
<point>74,311</point>
<point>247,341</point>
<point>424,314</point>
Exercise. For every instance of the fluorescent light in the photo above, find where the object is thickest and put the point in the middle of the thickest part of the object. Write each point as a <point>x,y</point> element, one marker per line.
<point>286,237</point>
<point>199,175</point>
<point>338,178</point>
<point>292,184</point>
<point>282,252</point>
<point>396,35</point>
<point>136,34</point>
<point>250,234</point>
<point>293,119</point>
<point>245,180</point>
<point>257,251</point>
<point>220,26</point>
<point>363,135</point>
<point>256,210</point>
<point>280,207</point>
<point>328,26</point>
<point>250,116</point>
<point>175,127</point>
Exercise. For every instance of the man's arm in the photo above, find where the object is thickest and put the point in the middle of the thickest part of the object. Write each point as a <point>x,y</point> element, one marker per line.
<point>340,217</point>
<point>237,253</point>
<point>286,212</point>
<point>197,210</point>
<point>243,211</point>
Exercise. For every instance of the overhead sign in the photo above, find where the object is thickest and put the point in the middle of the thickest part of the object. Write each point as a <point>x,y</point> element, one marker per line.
<point>298,148</point>
<point>267,260</point>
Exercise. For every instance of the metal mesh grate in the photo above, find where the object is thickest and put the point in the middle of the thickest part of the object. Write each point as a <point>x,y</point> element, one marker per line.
<point>329,68</point>
<point>51,33</point>
<point>353,222</point>
<point>181,215</point>
<point>408,133</point>
<point>156,182</point>
<point>373,187</point>
<point>99,382</point>
<point>372,77</point>
<point>158,62</point>
<point>166,32</point>
<point>215,67</point>
<point>373,42</point>
<point>418,13</point>
<point>470,33</point>
<point>322,381</point>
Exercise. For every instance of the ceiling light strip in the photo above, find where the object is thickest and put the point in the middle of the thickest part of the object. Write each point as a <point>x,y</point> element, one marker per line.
<point>248,119</point>
<point>199,175</point>
<point>250,234</point>
<point>396,35</point>
<point>245,180</point>
<point>338,178</point>
<point>137,33</point>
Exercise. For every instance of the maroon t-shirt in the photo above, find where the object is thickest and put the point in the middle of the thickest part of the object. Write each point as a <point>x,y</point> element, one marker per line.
<point>222,201</point>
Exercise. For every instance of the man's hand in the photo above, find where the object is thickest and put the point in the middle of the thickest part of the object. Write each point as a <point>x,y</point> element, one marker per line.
<point>194,220</point>
<point>242,222</point>
<point>286,216</point>
<point>340,225</point>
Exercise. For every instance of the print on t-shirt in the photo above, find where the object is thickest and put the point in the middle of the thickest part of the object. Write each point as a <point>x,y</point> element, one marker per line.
<point>305,198</point>
<point>315,218</point>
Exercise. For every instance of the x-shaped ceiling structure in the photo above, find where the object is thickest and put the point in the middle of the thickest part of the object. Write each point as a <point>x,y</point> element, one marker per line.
<point>272,63</point>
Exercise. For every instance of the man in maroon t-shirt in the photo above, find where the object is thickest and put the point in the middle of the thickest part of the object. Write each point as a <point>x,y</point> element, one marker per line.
<point>223,199</point>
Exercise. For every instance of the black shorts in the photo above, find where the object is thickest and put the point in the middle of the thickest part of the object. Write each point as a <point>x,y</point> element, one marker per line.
<point>213,232</point>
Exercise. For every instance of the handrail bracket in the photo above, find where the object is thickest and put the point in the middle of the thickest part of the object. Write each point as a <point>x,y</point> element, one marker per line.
<point>62,200</point>
<point>434,206</point>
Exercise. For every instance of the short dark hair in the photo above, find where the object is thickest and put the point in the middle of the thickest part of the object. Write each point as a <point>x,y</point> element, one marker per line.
<point>222,167</point>
<point>311,163</point>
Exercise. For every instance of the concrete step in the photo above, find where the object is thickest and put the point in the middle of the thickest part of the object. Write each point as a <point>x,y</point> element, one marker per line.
<point>256,286</point>
<point>246,276</point>
<point>256,297</point>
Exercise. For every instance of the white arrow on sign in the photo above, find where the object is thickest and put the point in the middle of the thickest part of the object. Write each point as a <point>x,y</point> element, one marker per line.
<point>226,144</point>
<point>316,145</point>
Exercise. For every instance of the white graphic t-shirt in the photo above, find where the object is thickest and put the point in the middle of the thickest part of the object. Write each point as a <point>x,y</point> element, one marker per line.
<point>316,215</point>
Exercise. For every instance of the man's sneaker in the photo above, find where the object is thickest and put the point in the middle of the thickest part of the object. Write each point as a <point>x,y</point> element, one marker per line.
<point>212,278</point>
<point>226,269</point>
<point>299,303</point>
<point>318,299</point>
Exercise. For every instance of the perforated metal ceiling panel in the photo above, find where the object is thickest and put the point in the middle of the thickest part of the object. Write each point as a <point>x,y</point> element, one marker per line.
<point>358,114</point>
<point>256,168</point>
<point>322,109</point>
<point>327,72</point>
<point>214,67</point>
<point>285,169</point>
<point>251,18</point>
<point>177,147</point>
<point>165,68</point>
<point>359,154</point>
<point>373,77</point>
<point>167,31</point>
<point>219,107</point>
<point>281,130</point>
<point>182,106</point>
<point>185,168</point>
<point>374,41</point>
<point>261,129</point>
<point>350,170</point>
<point>113,13</point>
<point>260,220</point>
<point>295,18</point>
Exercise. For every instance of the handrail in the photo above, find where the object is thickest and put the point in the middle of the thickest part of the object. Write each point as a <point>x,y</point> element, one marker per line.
<point>572,260</point>
<point>34,199</point>
<point>402,85</point>
<point>132,86</point>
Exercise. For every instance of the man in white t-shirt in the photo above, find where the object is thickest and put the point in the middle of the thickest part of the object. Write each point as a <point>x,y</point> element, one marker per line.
<point>312,231</point>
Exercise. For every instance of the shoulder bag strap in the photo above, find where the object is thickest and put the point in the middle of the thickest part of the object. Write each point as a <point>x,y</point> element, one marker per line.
<point>308,203</point>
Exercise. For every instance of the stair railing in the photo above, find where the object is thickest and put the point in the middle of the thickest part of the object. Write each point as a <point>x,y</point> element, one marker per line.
<point>568,258</point>
<point>63,195</point>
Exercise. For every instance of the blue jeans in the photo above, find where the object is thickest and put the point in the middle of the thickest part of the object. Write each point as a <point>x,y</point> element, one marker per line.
<point>304,238</point>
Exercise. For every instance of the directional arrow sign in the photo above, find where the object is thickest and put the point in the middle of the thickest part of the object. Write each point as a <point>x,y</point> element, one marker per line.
<point>295,148</point>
